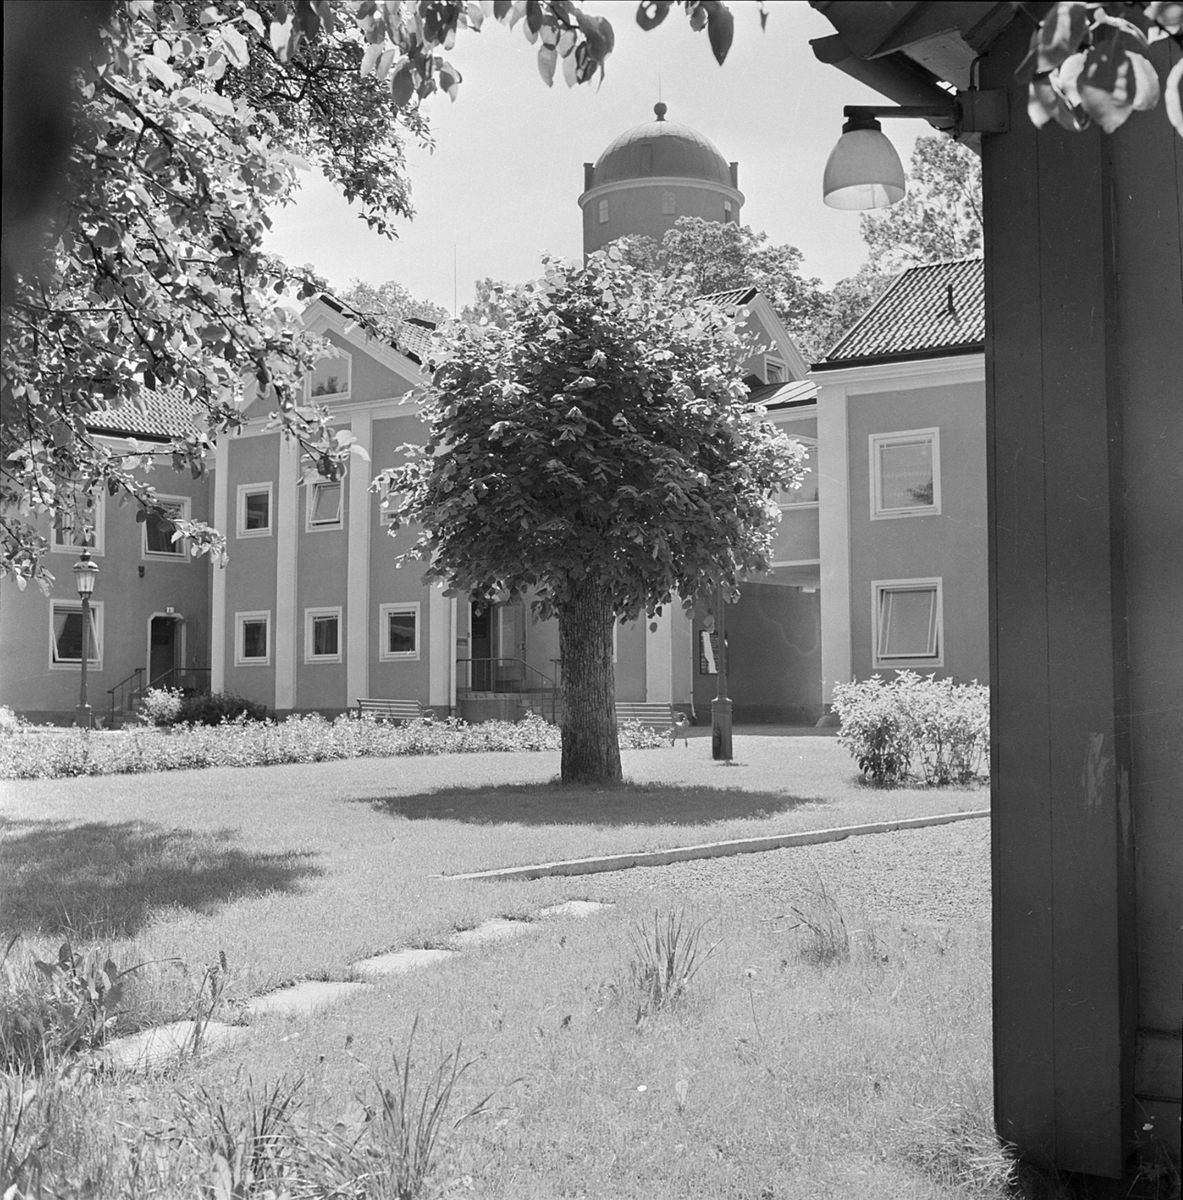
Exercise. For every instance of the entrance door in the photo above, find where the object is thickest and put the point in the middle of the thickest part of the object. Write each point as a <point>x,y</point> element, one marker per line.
<point>164,654</point>
<point>481,647</point>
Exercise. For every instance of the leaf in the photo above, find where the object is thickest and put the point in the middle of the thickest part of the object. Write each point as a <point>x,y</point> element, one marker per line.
<point>720,29</point>
<point>1108,85</point>
<point>161,70</point>
<point>1174,91</point>
<point>402,83</point>
<point>235,46</point>
<point>651,13</point>
<point>548,58</point>
<point>1167,13</point>
<point>1060,34</point>
<point>281,36</point>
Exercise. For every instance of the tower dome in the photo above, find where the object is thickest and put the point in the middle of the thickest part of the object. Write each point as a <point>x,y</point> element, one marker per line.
<point>650,176</point>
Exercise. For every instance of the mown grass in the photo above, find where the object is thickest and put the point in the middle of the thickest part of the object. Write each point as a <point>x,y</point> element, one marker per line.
<point>297,871</point>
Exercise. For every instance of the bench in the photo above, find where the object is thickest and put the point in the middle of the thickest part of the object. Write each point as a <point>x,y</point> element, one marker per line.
<point>393,710</point>
<point>661,716</point>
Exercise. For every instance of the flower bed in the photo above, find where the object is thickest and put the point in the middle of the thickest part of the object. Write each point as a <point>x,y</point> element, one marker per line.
<point>245,743</point>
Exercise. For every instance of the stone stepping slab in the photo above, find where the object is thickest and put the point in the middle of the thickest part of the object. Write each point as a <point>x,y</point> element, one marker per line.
<point>165,1045</point>
<point>305,997</point>
<point>398,962</point>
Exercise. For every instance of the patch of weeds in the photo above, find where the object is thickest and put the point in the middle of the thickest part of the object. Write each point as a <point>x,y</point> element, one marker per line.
<point>51,1009</point>
<point>960,1150</point>
<point>392,1151</point>
<point>214,980</point>
<point>255,1152</point>
<point>822,937</point>
<point>665,958</point>
<point>26,1121</point>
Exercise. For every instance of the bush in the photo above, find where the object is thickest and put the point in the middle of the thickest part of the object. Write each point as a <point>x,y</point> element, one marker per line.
<point>941,727</point>
<point>212,708</point>
<point>161,706</point>
<point>9,721</point>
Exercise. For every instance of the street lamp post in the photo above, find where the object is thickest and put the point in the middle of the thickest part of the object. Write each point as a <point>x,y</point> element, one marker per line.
<point>721,705</point>
<point>85,573</point>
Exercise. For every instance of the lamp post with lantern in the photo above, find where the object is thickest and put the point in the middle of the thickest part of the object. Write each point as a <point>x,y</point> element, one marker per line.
<point>721,705</point>
<point>85,573</point>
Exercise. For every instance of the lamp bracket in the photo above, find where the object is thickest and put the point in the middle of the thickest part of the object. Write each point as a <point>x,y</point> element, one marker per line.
<point>971,111</point>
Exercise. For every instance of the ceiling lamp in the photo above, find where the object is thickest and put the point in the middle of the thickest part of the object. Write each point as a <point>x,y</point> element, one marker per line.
<point>864,171</point>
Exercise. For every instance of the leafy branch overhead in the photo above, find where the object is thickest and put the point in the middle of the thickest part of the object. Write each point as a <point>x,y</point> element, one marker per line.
<point>1088,63</point>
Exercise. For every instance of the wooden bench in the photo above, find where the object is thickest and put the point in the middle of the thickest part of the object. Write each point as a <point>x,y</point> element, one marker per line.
<point>660,716</point>
<point>393,710</point>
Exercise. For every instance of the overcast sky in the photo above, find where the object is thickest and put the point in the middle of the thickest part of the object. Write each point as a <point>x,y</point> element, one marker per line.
<point>502,183</point>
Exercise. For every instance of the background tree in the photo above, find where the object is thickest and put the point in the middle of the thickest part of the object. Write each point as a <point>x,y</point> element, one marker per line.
<point>712,256</point>
<point>389,303</point>
<point>488,304</point>
<point>600,456</point>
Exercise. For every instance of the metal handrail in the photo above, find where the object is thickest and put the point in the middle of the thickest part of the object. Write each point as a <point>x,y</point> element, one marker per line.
<point>125,700</point>
<point>512,675</point>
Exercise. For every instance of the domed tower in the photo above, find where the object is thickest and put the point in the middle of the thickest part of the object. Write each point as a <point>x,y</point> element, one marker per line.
<point>651,176</point>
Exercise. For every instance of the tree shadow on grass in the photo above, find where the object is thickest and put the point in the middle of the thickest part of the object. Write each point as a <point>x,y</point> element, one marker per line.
<point>559,804</point>
<point>105,881</point>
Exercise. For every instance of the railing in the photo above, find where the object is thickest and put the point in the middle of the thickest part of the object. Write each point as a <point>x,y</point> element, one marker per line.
<point>127,693</point>
<point>508,676</point>
<point>124,695</point>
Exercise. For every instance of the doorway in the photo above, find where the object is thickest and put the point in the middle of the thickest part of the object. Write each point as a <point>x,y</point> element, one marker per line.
<point>164,651</point>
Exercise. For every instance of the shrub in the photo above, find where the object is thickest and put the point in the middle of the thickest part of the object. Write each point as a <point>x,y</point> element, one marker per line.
<point>9,721</point>
<point>212,708</point>
<point>161,706</point>
<point>941,727</point>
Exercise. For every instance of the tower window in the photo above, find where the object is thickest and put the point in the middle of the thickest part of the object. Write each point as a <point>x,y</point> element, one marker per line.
<point>728,215</point>
<point>603,212</point>
<point>667,203</point>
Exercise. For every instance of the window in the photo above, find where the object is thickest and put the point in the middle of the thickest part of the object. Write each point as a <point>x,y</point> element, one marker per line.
<point>774,371</point>
<point>908,623</point>
<point>252,639</point>
<point>330,377</point>
<point>65,634</point>
<point>322,635</point>
<point>81,526</point>
<point>667,203</point>
<point>324,504</point>
<point>254,510</point>
<point>905,473</point>
<point>728,215</point>
<point>159,527</point>
<point>807,492</point>
<point>603,212</point>
<point>398,631</point>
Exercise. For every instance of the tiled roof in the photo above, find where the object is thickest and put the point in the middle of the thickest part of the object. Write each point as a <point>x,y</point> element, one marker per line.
<point>784,395</point>
<point>412,335</point>
<point>939,308</point>
<point>736,296</point>
<point>158,415</point>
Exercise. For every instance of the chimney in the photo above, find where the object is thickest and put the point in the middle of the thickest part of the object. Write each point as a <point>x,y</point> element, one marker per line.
<point>589,176</point>
<point>735,176</point>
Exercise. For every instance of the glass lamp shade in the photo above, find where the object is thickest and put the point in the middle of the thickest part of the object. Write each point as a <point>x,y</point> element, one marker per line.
<point>863,171</point>
<point>85,573</point>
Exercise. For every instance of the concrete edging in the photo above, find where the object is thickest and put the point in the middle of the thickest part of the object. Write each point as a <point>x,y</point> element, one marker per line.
<point>661,858</point>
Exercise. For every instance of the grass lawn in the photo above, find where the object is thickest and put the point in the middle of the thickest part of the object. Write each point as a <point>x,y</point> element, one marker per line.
<point>296,871</point>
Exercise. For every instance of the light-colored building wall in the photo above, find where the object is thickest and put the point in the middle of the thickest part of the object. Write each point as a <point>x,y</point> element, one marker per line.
<point>635,208</point>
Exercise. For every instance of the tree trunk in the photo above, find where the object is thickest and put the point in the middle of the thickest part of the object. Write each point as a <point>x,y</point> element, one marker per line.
<point>591,751</point>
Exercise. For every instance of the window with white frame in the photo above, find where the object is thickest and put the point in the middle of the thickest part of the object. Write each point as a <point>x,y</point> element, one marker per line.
<point>774,370</point>
<point>254,510</point>
<point>65,634</point>
<point>604,212</point>
<point>331,378</point>
<point>807,492</point>
<point>908,623</point>
<point>79,524</point>
<point>160,540</point>
<point>252,639</point>
<point>324,504</point>
<point>905,473</point>
<point>322,635</point>
<point>398,632</point>
<point>667,203</point>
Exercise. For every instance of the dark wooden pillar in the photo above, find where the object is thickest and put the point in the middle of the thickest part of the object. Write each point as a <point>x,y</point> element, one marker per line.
<point>1065,1000</point>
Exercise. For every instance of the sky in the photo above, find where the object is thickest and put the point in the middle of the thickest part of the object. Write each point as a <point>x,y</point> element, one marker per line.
<point>501,185</point>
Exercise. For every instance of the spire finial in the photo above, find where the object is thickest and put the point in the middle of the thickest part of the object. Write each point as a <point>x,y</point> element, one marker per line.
<point>660,109</point>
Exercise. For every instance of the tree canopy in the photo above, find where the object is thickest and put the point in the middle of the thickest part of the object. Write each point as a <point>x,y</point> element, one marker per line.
<point>599,456</point>
<point>389,303</point>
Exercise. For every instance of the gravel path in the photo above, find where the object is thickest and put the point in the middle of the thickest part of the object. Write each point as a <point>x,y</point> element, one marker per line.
<point>937,874</point>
